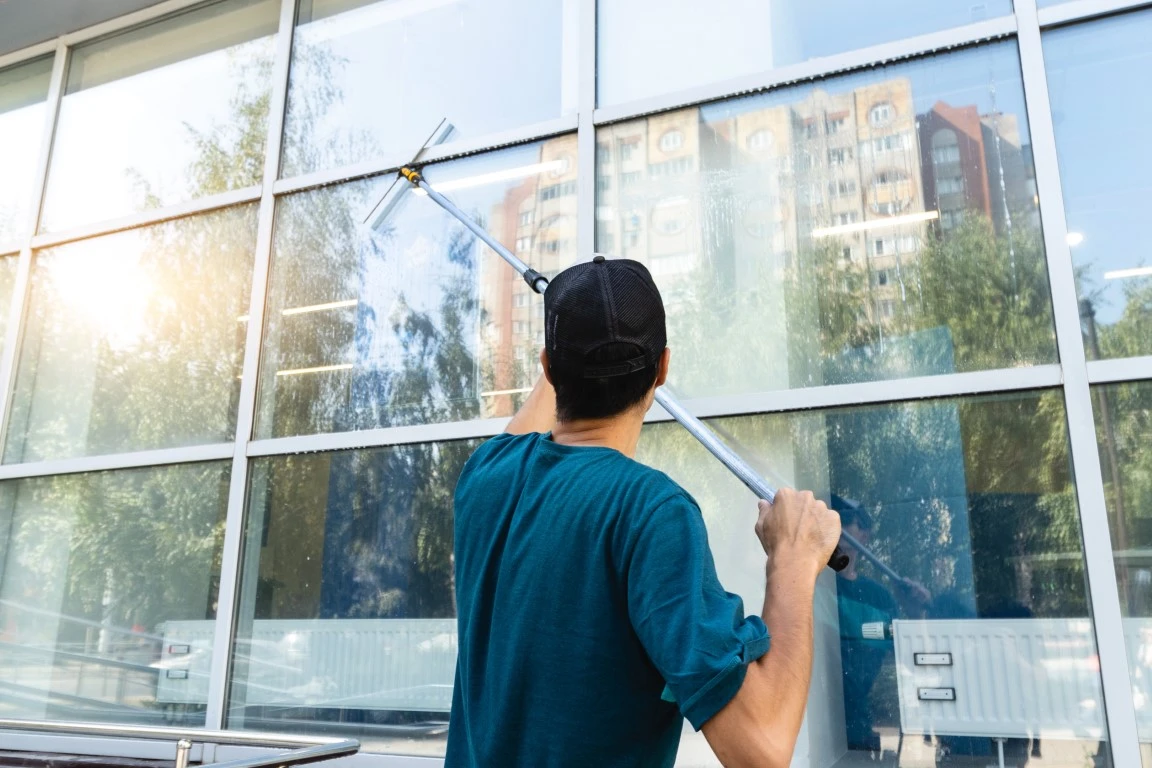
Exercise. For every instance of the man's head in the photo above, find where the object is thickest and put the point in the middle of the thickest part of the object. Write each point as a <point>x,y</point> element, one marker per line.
<point>605,342</point>
<point>854,519</point>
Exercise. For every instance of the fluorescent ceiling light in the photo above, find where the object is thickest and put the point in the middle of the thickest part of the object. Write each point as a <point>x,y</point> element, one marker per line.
<point>1075,238</point>
<point>498,392</point>
<point>317,369</point>
<point>320,307</point>
<point>1120,274</point>
<point>488,178</point>
<point>861,226</point>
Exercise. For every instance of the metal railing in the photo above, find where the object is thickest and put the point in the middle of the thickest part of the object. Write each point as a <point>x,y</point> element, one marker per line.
<point>306,749</point>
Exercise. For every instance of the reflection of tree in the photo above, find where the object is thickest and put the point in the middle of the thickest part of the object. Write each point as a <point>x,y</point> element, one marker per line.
<point>984,295</point>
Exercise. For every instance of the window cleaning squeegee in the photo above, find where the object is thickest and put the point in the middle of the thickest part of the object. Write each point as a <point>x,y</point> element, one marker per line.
<point>538,283</point>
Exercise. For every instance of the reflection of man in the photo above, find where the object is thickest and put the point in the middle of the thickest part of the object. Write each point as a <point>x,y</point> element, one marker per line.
<point>591,618</point>
<point>864,606</point>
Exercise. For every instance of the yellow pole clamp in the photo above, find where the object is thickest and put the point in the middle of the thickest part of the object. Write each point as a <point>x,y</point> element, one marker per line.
<point>411,174</point>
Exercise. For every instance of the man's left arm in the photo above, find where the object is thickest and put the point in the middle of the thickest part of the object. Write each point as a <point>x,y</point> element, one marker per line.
<point>538,414</point>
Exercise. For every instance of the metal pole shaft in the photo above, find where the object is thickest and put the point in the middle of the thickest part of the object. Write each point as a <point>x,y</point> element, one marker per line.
<point>697,428</point>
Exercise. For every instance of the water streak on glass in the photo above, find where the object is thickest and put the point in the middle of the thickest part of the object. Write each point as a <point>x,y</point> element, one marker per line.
<point>23,91</point>
<point>97,572</point>
<point>164,113</point>
<point>135,341</point>
<point>376,77</point>
<point>1106,174</point>
<point>972,501</point>
<point>651,47</point>
<point>415,321</point>
<point>861,228</point>
<point>347,611</point>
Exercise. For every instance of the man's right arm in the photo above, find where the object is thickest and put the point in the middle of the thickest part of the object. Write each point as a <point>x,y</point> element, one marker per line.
<point>759,725</point>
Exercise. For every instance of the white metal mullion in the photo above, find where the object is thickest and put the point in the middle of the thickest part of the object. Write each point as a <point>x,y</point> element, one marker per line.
<point>25,55</point>
<point>14,333</point>
<point>812,69</point>
<point>152,216</point>
<point>463,148</point>
<point>1120,369</point>
<point>128,20</point>
<point>841,395</point>
<point>586,134</point>
<point>1099,563</point>
<point>1079,10</point>
<point>221,663</point>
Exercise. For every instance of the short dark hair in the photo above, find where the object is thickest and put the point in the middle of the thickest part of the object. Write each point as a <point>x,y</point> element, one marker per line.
<point>851,512</point>
<point>600,398</point>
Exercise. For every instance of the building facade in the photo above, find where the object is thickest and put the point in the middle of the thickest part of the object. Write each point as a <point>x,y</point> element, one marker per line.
<point>899,248</point>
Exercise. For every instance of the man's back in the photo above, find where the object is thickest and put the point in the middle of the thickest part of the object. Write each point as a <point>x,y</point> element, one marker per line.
<point>585,586</point>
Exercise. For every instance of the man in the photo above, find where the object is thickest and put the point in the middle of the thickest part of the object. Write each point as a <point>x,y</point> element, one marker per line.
<point>591,619</point>
<point>862,601</point>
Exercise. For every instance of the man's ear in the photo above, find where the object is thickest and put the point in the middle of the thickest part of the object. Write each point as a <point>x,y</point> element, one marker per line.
<point>662,367</point>
<point>544,365</point>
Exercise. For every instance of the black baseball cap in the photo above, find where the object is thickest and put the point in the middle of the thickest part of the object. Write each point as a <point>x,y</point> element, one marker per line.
<point>604,301</point>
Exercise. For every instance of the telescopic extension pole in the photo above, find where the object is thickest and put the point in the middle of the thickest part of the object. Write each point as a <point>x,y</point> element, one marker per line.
<point>536,281</point>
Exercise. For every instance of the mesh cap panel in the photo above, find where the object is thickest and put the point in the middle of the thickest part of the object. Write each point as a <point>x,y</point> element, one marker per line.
<point>603,302</point>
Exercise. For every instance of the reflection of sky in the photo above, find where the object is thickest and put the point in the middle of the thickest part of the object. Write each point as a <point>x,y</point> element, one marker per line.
<point>23,91</point>
<point>642,43</point>
<point>1101,114</point>
<point>141,124</point>
<point>486,65</point>
<point>987,77</point>
<point>20,132</point>
<point>415,261</point>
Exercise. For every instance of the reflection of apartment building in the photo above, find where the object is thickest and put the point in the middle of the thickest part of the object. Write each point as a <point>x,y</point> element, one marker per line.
<point>746,191</point>
<point>537,221</point>
<point>976,163</point>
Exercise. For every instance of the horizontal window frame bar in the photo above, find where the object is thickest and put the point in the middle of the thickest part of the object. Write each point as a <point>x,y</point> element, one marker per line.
<point>1047,376</point>
<point>134,19</point>
<point>377,438</point>
<point>146,218</point>
<point>83,464</point>
<point>27,54</point>
<point>1120,370</point>
<point>10,249</point>
<point>837,396</point>
<point>1085,10</point>
<point>813,69</point>
<point>463,148</point>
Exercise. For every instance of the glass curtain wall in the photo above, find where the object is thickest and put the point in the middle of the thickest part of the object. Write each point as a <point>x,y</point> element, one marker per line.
<point>859,298</point>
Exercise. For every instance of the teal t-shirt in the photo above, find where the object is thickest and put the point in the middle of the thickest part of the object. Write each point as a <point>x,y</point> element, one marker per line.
<point>591,619</point>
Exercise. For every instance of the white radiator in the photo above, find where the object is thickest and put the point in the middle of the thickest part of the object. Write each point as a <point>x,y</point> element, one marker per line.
<point>405,664</point>
<point>999,678</point>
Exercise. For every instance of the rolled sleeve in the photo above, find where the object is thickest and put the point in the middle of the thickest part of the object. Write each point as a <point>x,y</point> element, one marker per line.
<point>695,632</point>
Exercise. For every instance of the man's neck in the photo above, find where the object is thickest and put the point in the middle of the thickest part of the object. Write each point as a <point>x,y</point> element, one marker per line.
<point>620,432</point>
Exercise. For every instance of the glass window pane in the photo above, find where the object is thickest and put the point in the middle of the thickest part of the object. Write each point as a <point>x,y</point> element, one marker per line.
<point>371,77</point>
<point>1124,435</point>
<point>1097,111</point>
<point>861,228</point>
<point>973,500</point>
<point>416,321</point>
<point>165,113</point>
<point>99,575</point>
<point>347,620</point>
<point>23,91</point>
<point>135,340</point>
<point>642,43</point>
